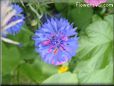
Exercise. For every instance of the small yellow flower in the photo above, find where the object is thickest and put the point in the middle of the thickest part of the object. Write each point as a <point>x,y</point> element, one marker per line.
<point>62,69</point>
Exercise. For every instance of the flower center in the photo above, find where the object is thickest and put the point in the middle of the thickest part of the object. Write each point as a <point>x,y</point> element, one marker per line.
<point>56,41</point>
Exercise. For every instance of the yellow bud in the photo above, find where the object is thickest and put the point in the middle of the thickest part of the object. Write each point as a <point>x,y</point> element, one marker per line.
<point>63,69</point>
<point>33,23</point>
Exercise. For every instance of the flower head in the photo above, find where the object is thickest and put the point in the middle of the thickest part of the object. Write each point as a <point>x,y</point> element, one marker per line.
<point>56,41</point>
<point>11,18</point>
<point>95,2</point>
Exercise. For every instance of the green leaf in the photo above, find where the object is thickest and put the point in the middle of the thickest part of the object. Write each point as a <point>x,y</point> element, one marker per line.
<point>10,59</point>
<point>64,78</point>
<point>81,17</point>
<point>96,53</point>
<point>13,56</point>
<point>110,1</point>
<point>27,51</point>
<point>6,79</point>
<point>102,76</point>
<point>96,18</point>
<point>109,19</point>
<point>37,71</point>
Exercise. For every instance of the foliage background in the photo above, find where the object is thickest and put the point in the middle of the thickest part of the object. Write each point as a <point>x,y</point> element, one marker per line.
<point>93,63</point>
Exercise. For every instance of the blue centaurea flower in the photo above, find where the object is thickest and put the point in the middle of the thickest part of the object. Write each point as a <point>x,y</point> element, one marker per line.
<point>56,41</point>
<point>11,19</point>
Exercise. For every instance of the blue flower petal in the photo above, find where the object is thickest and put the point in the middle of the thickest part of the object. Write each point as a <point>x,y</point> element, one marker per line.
<point>17,8</point>
<point>16,28</point>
